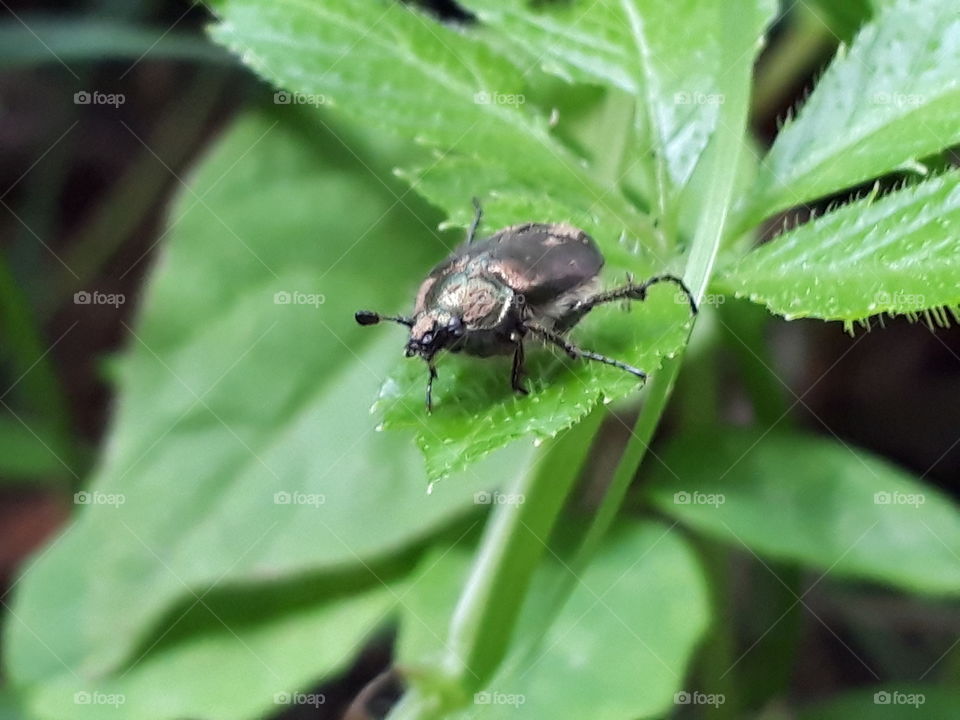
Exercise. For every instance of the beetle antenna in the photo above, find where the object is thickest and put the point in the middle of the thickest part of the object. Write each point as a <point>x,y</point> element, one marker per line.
<point>476,221</point>
<point>368,317</point>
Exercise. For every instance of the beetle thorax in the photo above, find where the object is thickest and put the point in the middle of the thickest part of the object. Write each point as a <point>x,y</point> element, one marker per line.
<point>478,301</point>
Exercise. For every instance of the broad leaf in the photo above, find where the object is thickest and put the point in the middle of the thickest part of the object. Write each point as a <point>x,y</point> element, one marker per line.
<point>890,101</point>
<point>240,659</point>
<point>896,255</point>
<point>619,648</point>
<point>816,502</point>
<point>453,92</point>
<point>242,448</point>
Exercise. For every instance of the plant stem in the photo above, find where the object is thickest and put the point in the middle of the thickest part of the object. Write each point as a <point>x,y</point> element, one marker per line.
<point>723,155</point>
<point>513,543</point>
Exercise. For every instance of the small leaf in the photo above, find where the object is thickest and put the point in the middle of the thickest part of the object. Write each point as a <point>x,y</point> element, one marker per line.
<point>896,255</point>
<point>619,648</point>
<point>890,101</point>
<point>816,502</point>
<point>476,411</point>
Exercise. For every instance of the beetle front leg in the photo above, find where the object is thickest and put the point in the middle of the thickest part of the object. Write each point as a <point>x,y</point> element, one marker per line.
<point>517,372</point>
<point>472,233</point>
<point>433,376</point>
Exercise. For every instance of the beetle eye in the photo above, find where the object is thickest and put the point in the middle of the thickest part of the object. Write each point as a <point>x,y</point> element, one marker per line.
<point>455,327</point>
<point>426,339</point>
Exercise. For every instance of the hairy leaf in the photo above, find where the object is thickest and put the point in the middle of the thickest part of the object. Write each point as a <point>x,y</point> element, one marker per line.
<point>891,100</point>
<point>896,255</point>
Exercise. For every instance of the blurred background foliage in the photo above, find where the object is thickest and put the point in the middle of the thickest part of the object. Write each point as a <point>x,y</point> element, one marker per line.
<point>101,198</point>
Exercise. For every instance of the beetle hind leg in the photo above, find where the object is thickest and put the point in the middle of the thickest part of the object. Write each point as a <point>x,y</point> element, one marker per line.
<point>579,353</point>
<point>634,291</point>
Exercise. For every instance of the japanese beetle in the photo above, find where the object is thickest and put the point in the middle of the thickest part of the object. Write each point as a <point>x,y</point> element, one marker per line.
<point>529,279</point>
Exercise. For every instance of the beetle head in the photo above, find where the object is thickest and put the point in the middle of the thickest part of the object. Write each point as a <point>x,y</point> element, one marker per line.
<point>432,332</point>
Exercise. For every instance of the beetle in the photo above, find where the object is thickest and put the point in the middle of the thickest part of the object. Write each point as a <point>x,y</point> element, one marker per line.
<point>531,279</point>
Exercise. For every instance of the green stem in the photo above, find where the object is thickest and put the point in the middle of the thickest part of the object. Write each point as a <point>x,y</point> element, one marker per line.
<point>723,155</point>
<point>513,544</point>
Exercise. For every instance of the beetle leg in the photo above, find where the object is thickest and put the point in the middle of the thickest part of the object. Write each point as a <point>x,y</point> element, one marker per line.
<point>632,291</point>
<point>574,352</point>
<point>516,374</point>
<point>476,221</point>
<point>433,376</point>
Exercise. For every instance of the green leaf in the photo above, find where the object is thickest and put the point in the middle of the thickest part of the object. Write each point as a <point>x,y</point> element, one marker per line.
<point>38,39</point>
<point>421,79</point>
<point>235,395</point>
<point>228,667</point>
<point>891,701</point>
<point>815,502</point>
<point>668,55</point>
<point>896,255</point>
<point>428,82</point>
<point>890,101</point>
<point>29,452</point>
<point>638,612</point>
